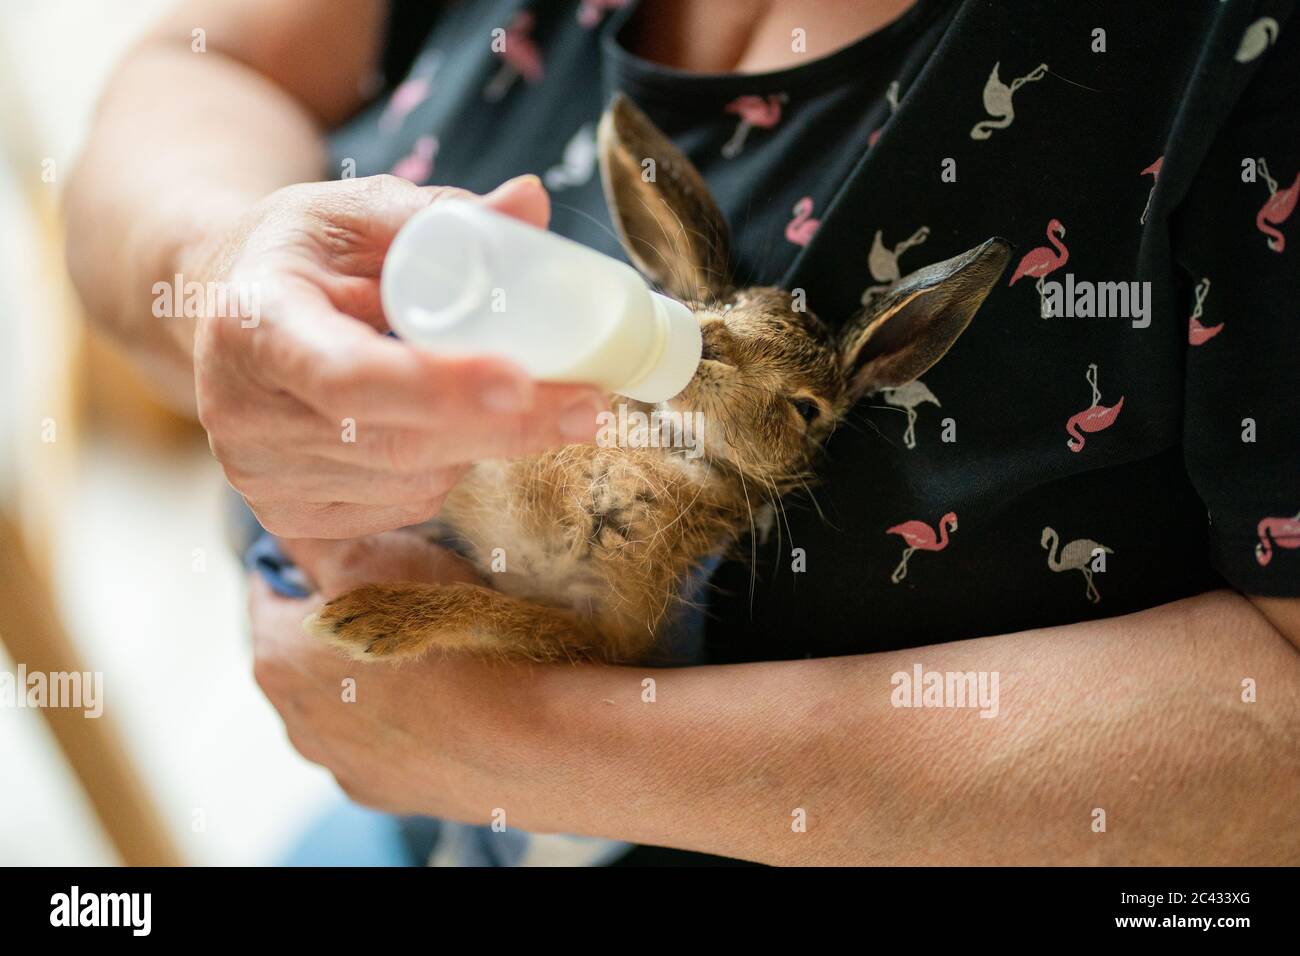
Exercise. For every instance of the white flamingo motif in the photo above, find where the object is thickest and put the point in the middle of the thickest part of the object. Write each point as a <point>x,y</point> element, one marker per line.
<point>1197,333</point>
<point>997,100</point>
<point>891,97</point>
<point>1075,556</point>
<point>907,397</point>
<point>883,262</point>
<point>578,163</point>
<point>1257,38</point>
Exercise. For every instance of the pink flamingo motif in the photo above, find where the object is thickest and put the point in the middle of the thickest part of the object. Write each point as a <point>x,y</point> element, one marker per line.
<point>754,111</point>
<point>417,165</point>
<point>1284,532</point>
<point>801,228</point>
<point>1042,262</point>
<point>1198,334</point>
<point>1154,172</point>
<point>523,58</point>
<point>1096,417</point>
<point>1278,209</point>
<point>891,97</point>
<point>413,91</point>
<point>591,12</point>
<point>919,536</point>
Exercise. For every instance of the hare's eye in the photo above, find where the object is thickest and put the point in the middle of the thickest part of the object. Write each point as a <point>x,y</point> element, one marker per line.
<point>806,408</point>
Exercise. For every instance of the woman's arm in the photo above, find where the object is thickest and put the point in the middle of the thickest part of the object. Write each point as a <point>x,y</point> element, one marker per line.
<point>1141,716</point>
<point>327,427</point>
<point>185,142</point>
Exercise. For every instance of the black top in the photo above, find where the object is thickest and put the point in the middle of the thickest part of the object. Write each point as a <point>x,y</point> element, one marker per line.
<point>1048,470</point>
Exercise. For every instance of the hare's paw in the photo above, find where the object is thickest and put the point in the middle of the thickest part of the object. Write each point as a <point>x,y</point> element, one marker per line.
<point>371,622</point>
<point>394,621</point>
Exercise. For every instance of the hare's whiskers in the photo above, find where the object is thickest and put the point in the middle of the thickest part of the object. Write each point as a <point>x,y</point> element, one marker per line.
<point>753,544</point>
<point>588,216</point>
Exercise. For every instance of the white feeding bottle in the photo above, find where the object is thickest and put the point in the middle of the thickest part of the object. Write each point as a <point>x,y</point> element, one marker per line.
<point>460,279</point>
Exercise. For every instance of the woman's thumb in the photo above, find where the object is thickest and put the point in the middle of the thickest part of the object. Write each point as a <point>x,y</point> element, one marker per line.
<point>523,197</point>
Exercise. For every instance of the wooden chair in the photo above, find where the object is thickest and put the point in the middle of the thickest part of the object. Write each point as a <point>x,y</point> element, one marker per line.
<point>49,361</point>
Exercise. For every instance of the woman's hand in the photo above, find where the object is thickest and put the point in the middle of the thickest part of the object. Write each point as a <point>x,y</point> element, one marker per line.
<point>328,428</point>
<point>448,736</point>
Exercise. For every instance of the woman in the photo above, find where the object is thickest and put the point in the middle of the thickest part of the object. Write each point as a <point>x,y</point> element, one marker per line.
<point>1090,495</point>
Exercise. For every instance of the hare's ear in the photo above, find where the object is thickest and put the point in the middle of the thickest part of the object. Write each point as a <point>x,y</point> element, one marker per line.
<point>897,338</point>
<point>669,224</point>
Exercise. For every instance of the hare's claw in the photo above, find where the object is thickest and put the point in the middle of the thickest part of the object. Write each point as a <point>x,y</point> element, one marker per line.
<point>368,625</point>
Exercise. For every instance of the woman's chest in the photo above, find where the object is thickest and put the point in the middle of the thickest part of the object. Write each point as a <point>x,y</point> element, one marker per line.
<point>837,180</point>
<point>751,36</point>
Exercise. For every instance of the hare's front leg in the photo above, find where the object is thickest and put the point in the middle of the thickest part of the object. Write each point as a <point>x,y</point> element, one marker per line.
<point>396,621</point>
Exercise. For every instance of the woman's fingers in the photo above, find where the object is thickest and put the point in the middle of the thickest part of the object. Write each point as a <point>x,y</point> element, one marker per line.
<point>297,519</point>
<point>319,481</point>
<point>470,407</point>
<point>523,197</point>
<point>345,369</point>
<point>365,214</point>
<point>336,567</point>
<point>383,204</point>
<point>352,278</point>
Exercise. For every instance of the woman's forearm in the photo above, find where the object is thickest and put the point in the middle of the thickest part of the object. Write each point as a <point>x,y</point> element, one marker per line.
<point>183,142</point>
<point>1140,717</point>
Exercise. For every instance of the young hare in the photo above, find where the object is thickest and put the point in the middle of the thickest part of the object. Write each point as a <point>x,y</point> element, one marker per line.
<point>598,542</point>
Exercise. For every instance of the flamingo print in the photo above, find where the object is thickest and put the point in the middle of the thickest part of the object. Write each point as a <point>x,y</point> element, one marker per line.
<point>891,97</point>
<point>802,227</point>
<point>1278,209</point>
<point>1154,172</point>
<point>591,12</point>
<point>1042,262</point>
<point>754,111</point>
<point>523,58</point>
<point>1284,532</point>
<point>1198,334</point>
<point>578,164</point>
<point>413,91</point>
<point>919,536</point>
<point>1257,38</point>
<point>907,397</point>
<point>417,165</point>
<point>1096,417</point>
<point>883,262</point>
<point>1075,556</point>
<point>997,100</point>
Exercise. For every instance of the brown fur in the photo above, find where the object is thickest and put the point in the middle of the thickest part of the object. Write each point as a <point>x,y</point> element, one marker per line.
<point>597,542</point>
